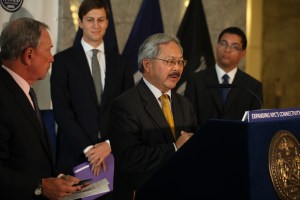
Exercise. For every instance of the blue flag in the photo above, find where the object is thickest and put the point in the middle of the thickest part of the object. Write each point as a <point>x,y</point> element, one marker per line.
<point>195,40</point>
<point>110,38</point>
<point>148,22</point>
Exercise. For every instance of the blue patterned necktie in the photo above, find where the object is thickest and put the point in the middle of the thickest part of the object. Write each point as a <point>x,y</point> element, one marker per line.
<point>225,90</point>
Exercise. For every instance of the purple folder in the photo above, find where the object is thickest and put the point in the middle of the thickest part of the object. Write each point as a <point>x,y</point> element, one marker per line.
<point>83,171</point>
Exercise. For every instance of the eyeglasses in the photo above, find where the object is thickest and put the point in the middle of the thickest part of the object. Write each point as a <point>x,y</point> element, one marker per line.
<point>173,62</point>
<point>234,47</point>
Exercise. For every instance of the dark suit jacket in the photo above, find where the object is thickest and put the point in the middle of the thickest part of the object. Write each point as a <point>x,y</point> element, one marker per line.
<point>75,106</point>
<point>25,156</point>
<point>140,137</point>
<point>208,101</point>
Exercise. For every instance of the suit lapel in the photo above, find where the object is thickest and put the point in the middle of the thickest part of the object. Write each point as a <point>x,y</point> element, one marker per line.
<point>24,105</point>
<point>84,69</point>
<point>234,93</point>
<point>154,110</point>
<point>177,114</point>
<point>109,71</point>
<point>27,109</point>
<point>215,92</point>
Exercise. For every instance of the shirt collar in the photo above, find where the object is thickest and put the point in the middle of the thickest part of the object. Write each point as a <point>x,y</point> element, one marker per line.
<point>221,72</point>
<point>157,93</point>
<point>87,47</point>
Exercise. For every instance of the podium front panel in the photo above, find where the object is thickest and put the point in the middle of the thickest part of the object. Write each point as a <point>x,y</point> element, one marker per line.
<point>224,159</point>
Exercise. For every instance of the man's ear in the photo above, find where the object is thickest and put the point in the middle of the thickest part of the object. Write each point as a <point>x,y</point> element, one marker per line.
<point>80,23</point>
<point>147,64</point>
<point>26,56</point>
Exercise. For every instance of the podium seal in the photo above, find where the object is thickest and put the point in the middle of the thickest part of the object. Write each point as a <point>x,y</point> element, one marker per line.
<point>284,165</point>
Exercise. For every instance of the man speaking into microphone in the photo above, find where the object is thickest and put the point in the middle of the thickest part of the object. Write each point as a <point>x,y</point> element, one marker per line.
<point>205,88</point>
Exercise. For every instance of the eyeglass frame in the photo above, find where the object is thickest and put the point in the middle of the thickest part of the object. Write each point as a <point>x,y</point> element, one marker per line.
<point>173,62</point>
<point>224,45</point>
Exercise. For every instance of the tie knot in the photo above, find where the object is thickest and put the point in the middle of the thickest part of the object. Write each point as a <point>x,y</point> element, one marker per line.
<point>164,97</point>
<point>225,79</point>
<point>95,52</point>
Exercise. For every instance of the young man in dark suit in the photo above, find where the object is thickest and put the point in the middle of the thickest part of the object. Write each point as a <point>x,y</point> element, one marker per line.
<point>81,118</point>
<point>81,100</point>
<point>211,102</point>
<point>144,131</point>
<point>26,162</point>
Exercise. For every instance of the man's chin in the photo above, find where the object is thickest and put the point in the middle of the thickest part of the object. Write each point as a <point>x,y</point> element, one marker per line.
<point>172,85</point>
<point>42,78</point>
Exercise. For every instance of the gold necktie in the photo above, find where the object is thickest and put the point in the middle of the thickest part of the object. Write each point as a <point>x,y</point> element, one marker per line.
<point>167,112</point>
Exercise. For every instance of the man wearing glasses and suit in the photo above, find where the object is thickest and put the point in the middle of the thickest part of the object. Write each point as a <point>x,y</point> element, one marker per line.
<point>209,99</point>
<point>149,122</point>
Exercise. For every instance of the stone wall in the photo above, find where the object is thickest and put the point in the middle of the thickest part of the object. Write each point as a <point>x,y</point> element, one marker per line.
<point>281,53</point>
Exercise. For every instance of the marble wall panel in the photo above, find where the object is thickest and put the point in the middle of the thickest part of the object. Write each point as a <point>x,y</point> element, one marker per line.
<point>281,53</point>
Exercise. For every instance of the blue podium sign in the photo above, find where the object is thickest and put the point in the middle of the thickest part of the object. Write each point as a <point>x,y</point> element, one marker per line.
<point>271,114</point>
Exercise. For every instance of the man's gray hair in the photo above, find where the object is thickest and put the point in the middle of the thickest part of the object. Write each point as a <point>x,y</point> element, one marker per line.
<point>18,35</point>
<point>150,47</point>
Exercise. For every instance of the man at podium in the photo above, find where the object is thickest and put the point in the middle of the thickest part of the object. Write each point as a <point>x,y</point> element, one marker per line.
<point>149,122</point>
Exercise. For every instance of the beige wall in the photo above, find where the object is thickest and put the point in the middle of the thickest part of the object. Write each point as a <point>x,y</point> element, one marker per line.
<point>254,36</point>
<point>281,53</point>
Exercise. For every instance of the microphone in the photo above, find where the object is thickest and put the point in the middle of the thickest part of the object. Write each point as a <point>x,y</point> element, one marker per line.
<point>221,86</point>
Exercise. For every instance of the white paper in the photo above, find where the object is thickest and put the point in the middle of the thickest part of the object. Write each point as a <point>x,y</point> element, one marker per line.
<point>92,189</point>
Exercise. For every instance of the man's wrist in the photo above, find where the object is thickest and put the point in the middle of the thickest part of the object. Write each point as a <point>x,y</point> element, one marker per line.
<point>61,176</point>
<point>108,142</point>
<point>88,148</point>
<point>175,147</point>
<point>38,189</point>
